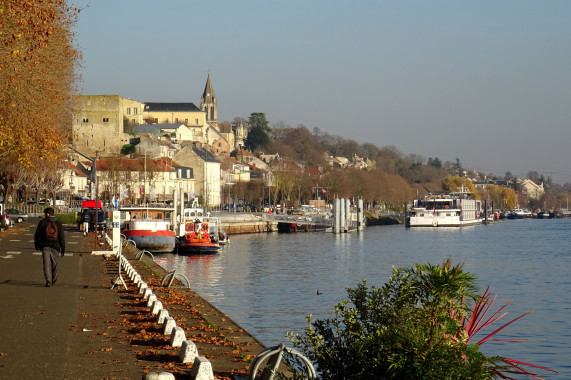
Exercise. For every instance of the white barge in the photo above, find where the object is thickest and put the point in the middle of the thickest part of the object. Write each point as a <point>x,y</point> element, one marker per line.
<point>455,209</point>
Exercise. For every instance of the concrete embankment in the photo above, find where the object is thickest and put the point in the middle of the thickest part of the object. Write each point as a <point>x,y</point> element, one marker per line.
<point>234,224</point>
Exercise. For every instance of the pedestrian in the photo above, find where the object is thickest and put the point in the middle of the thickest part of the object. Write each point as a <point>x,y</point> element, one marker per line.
<point>50,239</point>
<point>86,221</point>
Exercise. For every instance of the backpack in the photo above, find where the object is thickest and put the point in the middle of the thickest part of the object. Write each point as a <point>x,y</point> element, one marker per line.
<point>52,231</point>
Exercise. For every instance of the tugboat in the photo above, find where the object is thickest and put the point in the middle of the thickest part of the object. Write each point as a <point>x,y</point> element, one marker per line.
<point>196,236</point>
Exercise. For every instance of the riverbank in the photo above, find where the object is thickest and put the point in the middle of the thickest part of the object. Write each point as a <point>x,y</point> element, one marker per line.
<point>81,328</point>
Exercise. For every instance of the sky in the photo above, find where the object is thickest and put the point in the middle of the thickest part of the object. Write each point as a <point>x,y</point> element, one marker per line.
<point>487,82</point>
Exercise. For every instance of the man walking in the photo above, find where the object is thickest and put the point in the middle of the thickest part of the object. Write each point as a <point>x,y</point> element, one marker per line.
<point>49,238</point>
<point>86,221</point>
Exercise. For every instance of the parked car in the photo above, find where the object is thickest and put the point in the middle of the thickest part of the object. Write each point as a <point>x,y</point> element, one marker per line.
<point>16,215</point>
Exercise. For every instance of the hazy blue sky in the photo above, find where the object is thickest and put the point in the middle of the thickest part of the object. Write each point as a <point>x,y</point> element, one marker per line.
<point>488,82</point>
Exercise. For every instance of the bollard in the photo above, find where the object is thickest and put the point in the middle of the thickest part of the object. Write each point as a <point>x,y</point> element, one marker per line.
<point>157,306</point>
<point>158,376</point>
<point>152,298</point>
<point>201,369</point>
<point>163,314</point>
<point>188,352</point>
<point>142,287</point>
<point>177,337</point>
<point>168,325</point>
<point>147,293</point>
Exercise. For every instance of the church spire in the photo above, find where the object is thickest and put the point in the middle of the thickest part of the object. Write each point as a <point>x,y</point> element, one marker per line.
<point>208,102</point>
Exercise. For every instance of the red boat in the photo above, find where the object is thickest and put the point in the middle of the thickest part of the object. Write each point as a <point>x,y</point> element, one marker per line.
<point>197,239</point>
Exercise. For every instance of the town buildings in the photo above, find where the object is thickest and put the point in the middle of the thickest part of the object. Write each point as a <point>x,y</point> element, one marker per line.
<point>169,146</point>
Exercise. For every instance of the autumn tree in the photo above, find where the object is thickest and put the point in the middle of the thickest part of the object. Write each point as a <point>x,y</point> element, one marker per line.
<point>503,197</point>
<point>457,183</point>
<point>37,66</point>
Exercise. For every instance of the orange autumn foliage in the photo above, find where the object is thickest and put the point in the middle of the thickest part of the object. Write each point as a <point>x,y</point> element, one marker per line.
<point>38,68</point>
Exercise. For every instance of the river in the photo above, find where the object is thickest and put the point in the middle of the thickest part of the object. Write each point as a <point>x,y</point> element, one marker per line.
<point>269,283</point>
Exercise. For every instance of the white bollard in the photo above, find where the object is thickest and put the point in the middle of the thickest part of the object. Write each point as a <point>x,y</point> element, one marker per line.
<point>163,314</point>
<point>157,306</point>
<point>201,369</point>
<point>152,298</point>
<point>158,376</point>
<point>147,293</point>
<point>188,352</point>
<point>177,337</point>
<point>168,325</point>
<point>142,287</point>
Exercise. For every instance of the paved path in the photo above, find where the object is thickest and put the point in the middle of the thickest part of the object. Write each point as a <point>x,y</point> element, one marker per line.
<point>35,320</point>
<point>80,328</point>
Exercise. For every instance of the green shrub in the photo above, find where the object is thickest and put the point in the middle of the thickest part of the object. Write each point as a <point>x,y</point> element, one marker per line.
<point>69,218</point>
<point>417,326</point>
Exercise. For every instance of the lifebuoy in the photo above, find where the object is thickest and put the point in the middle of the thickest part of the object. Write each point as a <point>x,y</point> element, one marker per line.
<point>204,227</point>
<point>189,227</point>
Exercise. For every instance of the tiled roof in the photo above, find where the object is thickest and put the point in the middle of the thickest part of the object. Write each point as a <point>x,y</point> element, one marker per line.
<point>171,107</point>
<point>131,164</point>
<point>204,154</point>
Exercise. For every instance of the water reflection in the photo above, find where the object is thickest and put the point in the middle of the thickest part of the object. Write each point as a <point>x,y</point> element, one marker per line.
<point>267,282</point>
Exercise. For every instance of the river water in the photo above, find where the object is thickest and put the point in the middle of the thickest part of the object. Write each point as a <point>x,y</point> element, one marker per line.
<point>268,283</point>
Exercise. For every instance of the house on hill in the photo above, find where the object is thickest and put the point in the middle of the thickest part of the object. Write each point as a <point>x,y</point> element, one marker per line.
<point>533,189</point>
<point>206,173</point>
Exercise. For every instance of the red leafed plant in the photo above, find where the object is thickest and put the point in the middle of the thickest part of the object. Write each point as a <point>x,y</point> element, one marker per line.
<point>479,319</point>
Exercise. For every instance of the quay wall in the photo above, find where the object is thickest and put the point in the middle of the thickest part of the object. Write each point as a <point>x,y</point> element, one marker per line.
<point>247,227</point>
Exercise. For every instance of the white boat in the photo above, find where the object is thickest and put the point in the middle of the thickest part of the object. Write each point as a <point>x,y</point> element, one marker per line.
<point>520,213</point>
<point>455,209</point>
<point>151,227</point>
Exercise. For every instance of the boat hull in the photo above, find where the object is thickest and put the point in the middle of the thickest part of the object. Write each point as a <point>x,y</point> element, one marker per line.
<point>425,222</point>
<point>153,241</point>
<point>185,248</point>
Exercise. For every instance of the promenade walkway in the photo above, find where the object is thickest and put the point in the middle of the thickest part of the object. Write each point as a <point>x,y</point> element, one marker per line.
<point>80,328</point>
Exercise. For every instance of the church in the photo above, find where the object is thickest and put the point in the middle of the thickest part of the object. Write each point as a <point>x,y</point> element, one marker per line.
<point>105,123</point>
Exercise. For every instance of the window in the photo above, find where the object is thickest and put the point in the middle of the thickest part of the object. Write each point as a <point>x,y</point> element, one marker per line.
<point>105,119</point>
<point>185,121</point>
<point>176,120</point>
<point>196,121</point>
<point>85,120</point>
<point>128,110</point>
<point>135,111</point>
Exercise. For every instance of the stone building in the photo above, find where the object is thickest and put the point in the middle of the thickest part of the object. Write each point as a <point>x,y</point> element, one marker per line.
<point>206,173</point>
<point>98,123</point>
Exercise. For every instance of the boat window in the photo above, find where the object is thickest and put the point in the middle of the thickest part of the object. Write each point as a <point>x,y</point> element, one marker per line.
<point>167,214</point>
<point>158,216</point>
<point>200,213</point>
<point>192,213</point>
<point>135,215</point>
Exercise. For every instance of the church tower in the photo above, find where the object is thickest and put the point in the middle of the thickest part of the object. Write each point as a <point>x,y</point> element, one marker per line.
<point>208,103</point>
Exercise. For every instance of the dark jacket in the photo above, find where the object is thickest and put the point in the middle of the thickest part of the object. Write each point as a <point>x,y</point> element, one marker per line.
<point>40,236</point>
